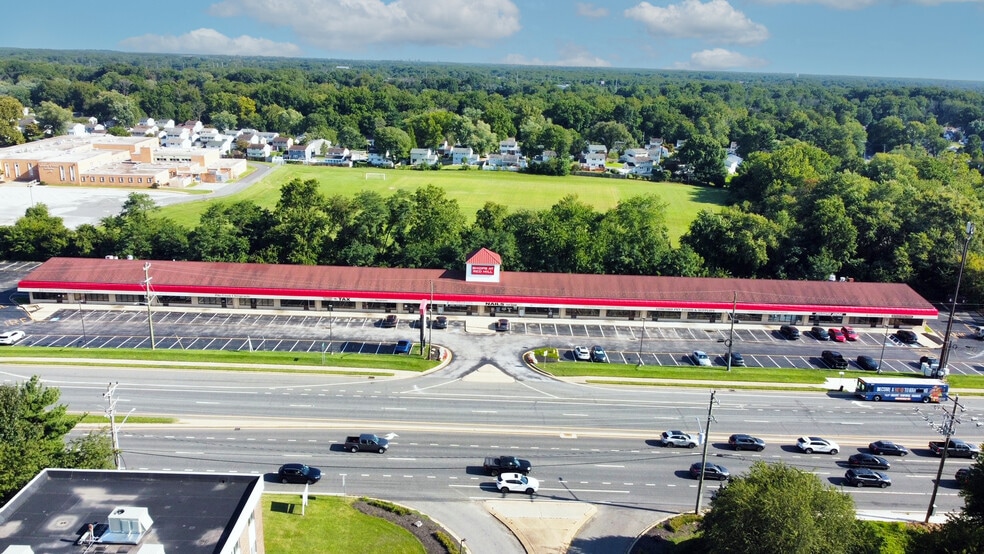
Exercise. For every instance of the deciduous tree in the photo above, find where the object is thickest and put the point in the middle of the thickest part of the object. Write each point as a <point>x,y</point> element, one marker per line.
<point>779,508</point>
<point>33,428</point>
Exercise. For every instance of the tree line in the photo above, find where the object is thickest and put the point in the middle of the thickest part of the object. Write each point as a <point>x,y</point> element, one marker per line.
<point>842,176</point>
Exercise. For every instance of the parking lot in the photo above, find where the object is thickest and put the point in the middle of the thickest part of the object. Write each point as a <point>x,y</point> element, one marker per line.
<point>653,344</point>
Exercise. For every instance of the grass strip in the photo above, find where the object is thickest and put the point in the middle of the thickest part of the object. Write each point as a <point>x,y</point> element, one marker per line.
<point>101,419</point>
<point>306,359</point>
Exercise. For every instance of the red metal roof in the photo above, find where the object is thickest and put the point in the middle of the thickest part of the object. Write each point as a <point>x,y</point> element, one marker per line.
<point>484,256</point>
<point>545,289</point>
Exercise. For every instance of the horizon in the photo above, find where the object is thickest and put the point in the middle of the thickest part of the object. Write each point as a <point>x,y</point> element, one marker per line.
<point>876,39</point>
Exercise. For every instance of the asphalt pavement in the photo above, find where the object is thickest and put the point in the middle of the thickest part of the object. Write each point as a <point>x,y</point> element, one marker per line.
<point>540,525</point>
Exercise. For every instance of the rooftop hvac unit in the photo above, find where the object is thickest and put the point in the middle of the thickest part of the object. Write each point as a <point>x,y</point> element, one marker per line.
<point>127,524</point>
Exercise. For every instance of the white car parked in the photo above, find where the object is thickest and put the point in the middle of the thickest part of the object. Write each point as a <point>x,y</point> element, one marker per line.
<point>701,358</point>
<point>517,482</point>
<point>817,444</point>
<point>11,337</point>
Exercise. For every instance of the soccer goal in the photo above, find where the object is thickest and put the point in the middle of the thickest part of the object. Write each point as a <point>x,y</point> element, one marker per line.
<point>370,175</point>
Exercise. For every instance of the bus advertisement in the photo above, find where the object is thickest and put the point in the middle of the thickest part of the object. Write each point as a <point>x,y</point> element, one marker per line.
<point>901,389</point>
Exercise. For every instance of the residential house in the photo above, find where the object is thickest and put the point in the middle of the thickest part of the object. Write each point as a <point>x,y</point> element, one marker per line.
<point>731,163</point>
<point>280,143</point>
<point>145,130</point>
<point>509,146</point>
<point>423,156</point>
<point>178,136</point>
<point>545,156</point>
<point>259,151</point>
<point>379,158</point>
<point>268,136</point>
<point>443,150</point>
<point>75,130</point>
<point>305,153</point>
<point>593,161</point>
<point>596,149</point>
<point>633,154</point>
<point>338,156</point>
<point>504,162</point>
<point>463,155</point>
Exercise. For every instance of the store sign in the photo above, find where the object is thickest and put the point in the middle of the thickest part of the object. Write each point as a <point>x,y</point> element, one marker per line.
<point>483,270</point>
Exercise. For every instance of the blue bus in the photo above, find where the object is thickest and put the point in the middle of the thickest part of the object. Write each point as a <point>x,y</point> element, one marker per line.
<point>901,389</point>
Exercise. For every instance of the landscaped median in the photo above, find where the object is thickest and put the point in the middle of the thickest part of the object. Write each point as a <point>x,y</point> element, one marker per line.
<point>738,377</point>
<point>307,362</point>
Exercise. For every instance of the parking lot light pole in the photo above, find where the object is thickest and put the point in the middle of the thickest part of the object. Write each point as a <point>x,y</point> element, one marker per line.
<point>881,358</point>
<point>945,353</point>
<point>82,315</point>
<point>731,333</point>
<point>642,335</point>
<point>330,308</point>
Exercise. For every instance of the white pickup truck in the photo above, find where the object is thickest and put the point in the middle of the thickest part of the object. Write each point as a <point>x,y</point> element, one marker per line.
<point>678,439</point>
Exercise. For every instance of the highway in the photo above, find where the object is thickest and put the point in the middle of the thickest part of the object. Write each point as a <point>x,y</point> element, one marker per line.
<point>591,443</point>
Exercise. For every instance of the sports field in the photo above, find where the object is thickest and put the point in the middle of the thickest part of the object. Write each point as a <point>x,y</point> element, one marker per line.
<point>473,188</point>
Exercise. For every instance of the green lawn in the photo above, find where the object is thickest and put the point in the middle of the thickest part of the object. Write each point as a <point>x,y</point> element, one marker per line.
<point>473,188</point>
<point>329,524</point>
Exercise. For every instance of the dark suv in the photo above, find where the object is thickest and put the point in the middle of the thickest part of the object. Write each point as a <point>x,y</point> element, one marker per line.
<point>820,333</point>
<point>298,473</point>
<point>390,321</point>
<point>790,332</point>
<point>834,359</point>
<point>907,337</point>
<point>861,477</point>
<point>746,442</point>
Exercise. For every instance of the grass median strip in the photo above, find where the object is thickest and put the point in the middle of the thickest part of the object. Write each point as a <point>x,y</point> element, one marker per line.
<point>631,374</point>
<point>194,359</point>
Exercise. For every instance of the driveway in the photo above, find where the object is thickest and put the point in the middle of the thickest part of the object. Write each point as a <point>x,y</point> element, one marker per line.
<point>80,205</point>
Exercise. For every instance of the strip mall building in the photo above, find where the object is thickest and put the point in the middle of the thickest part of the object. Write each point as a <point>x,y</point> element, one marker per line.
<point>482,289</point>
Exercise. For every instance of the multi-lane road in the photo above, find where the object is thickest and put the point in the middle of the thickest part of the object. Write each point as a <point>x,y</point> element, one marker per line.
<point>589,444</point>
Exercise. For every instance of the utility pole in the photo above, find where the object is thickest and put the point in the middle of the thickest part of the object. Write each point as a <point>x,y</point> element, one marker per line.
<point>703,455</point>
<point>150,315</point>
<point>945,428</point>
<point>114,436</point>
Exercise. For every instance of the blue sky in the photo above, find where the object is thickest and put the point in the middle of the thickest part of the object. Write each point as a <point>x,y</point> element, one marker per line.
<point>934,39</point>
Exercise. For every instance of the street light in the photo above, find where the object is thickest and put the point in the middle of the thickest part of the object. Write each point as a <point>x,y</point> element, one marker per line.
<point>641,336</point>
<point>945,353</point>
<point>881,358</point>
<point>330,308</point>
<point>461,545</point>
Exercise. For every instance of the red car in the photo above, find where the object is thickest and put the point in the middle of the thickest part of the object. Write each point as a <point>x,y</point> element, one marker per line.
<point>836,335</point>
<point>849,333</point>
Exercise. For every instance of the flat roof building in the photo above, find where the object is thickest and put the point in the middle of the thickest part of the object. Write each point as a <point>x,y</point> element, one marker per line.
<point>482,289</point>
<point>134,512</point>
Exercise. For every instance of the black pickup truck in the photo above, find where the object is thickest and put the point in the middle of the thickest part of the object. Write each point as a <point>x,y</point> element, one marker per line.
<point>366,442</point>
<point>506,464</point>
<point>957,449</point>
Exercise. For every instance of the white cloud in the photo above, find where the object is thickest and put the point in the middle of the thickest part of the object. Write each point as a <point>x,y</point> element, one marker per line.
<point>860,4</point>
<point>210,41</point>
<point>590,10</point>
<point>720,59</point>
<point>713,21</point>
<point>571,56</point>
<point>356,24</point>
